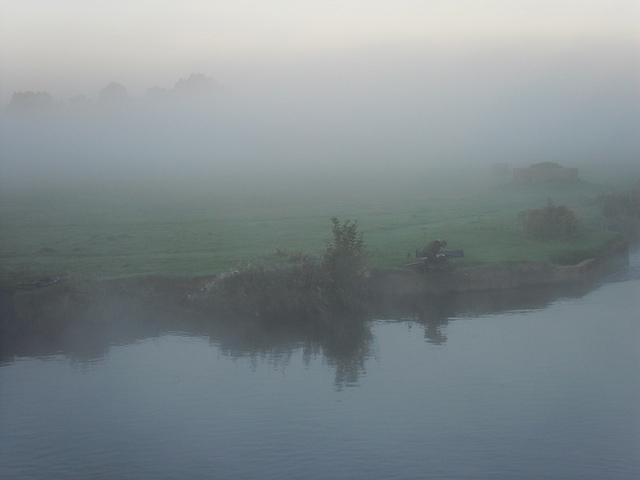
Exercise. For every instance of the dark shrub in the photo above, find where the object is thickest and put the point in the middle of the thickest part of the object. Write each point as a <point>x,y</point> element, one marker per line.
<point>280,294</point>
<point>306,289</point>
<point>345,264</point>
<point>549,223</point>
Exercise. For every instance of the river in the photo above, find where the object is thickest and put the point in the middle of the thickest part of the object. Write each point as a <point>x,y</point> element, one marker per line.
<point>548,389</point>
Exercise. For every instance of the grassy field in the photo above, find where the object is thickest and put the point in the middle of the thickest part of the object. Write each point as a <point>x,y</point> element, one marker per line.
<point>119,231</point>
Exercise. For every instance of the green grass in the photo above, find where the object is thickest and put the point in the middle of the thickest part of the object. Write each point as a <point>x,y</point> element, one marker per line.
<point>124,231</point>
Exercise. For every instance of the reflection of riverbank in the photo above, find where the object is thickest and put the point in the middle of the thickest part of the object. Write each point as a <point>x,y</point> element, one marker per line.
<point>88,331</point>
<point>632,270</point>
<point>435,312</point>
<point>83,323</point>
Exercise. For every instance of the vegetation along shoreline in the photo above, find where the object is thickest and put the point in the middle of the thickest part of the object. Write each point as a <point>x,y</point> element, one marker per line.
<point>341,283</point>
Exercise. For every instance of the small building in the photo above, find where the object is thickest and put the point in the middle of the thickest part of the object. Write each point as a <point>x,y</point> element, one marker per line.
<point>545,172</point>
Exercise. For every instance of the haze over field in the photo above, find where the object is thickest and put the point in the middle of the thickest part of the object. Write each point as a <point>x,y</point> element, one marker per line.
<point>315,88</point>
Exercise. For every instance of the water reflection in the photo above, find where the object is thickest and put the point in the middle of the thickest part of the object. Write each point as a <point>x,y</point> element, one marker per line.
<point>89,333</point>
<point>434,313</point>
<point>345,344</point>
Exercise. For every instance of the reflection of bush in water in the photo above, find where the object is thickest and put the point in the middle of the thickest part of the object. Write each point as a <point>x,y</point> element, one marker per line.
<point>343,342</point>
<point>346,345</point>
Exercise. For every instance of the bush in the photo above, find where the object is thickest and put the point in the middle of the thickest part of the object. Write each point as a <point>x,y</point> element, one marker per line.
<point>552,222</point>
<point>345,264</point>
<point>308,289</point>
<point>280,294</point>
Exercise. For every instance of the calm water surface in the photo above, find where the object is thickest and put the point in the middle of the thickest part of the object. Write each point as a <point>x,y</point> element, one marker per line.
<point>552,392</point>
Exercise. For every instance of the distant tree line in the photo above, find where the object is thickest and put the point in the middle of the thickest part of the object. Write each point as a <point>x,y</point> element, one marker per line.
<point>195,84</point>
<point>30,101</point>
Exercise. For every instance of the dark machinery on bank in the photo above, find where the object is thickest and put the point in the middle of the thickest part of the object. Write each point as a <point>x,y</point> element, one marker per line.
<point>434,257</point>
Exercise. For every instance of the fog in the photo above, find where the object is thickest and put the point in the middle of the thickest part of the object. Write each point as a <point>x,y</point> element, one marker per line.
<point>359,112</point>
<point>319,239</point>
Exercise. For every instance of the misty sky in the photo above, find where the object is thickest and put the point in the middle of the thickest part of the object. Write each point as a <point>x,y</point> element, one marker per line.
<point>70,46</point>
<point>359,85</point>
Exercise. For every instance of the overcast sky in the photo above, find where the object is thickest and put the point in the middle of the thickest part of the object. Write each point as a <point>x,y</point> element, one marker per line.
<point>68,45</point>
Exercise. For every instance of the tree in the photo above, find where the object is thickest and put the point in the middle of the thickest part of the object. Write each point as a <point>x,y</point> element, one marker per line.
<point>114,93</point>
<point>196,84</point>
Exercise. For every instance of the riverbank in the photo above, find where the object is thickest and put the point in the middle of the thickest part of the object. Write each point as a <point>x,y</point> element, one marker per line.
<point>64,303</point>
<point>398,282</point>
